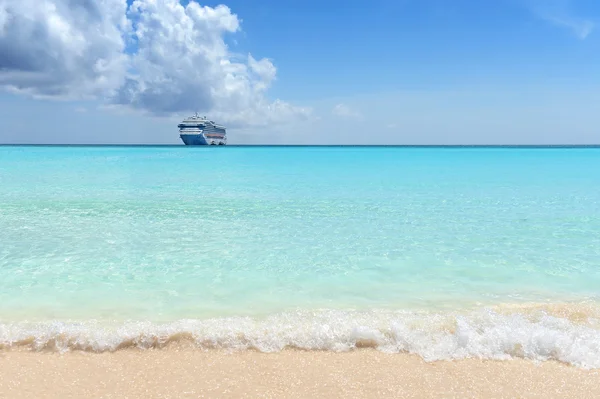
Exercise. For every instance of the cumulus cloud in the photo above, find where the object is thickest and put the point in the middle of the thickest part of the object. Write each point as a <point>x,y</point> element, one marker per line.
<point>345,111</point>
<point>69,48</point>
<point>154,56</point>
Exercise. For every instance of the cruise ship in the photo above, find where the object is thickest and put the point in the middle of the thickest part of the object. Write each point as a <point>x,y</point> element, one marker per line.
<point>196,130</point>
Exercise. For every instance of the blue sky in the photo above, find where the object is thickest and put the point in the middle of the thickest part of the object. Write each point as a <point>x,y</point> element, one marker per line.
<point>391,72</point>
<point>346,47</point>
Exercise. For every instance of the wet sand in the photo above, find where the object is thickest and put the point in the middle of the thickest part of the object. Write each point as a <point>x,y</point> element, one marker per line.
<point>185,373</point>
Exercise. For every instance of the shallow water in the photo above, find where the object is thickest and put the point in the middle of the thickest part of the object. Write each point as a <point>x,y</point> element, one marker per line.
<point>164,234</point>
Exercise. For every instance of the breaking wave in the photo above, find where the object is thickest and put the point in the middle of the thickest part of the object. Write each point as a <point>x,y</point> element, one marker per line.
<point>569,335</point>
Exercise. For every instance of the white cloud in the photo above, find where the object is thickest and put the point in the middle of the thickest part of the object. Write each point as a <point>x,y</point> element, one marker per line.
<point>178,61</point>
<point>581,27</point>
<point>558,12</point>
<point>345,111</point>
<point>62,49</point>
<point>3,17</point>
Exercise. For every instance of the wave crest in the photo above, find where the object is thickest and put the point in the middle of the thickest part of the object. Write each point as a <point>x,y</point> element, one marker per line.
<point>496,334</point>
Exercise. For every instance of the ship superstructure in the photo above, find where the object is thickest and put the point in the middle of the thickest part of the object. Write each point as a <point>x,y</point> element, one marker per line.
<point>197,130</point>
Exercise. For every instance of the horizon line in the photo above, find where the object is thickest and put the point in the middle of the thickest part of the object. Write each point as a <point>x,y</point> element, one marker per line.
<point>317,145</point>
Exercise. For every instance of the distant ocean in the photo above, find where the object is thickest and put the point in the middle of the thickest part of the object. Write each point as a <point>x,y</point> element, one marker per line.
<point>448,253</point>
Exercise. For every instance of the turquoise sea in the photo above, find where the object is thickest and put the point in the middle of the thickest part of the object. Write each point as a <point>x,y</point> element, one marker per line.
<point>445,252</point>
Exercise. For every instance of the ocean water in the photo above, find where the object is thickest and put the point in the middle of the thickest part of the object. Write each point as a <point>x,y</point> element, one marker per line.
<point>445,252</point>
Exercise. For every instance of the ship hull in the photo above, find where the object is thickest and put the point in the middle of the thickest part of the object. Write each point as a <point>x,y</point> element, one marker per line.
<point>199,139</point>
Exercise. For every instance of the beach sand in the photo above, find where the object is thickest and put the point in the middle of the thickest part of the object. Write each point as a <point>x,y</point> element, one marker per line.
<point>187,373</point>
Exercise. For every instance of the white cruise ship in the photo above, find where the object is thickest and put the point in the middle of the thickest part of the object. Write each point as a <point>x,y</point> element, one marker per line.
<point>196,130</point>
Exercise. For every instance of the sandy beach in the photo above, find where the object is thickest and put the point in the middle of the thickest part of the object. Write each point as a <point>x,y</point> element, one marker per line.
<point>186,373</point>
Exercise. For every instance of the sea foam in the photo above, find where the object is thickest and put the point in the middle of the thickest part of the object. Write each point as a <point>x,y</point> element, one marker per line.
<point>484,334</point>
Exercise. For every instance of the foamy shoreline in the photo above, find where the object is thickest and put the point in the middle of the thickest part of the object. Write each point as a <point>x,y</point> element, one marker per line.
<point>568,334</point>
<point>178,372</point>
